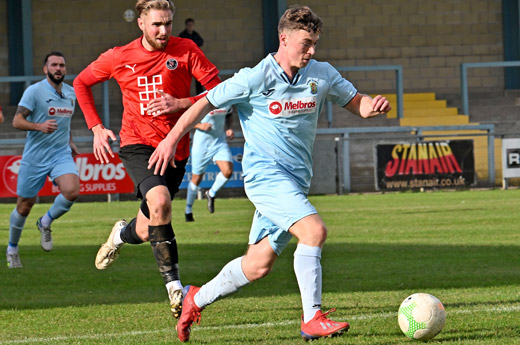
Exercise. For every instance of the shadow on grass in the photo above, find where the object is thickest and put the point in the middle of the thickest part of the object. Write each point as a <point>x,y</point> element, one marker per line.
<point>66,276</point>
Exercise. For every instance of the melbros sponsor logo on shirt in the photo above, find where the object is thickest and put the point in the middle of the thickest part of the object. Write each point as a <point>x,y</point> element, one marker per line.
<point>290,107</point>
<point>61,111</point>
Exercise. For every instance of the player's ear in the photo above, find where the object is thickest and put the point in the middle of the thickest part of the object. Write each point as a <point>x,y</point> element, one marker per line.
<point>283,38</point>
<point>140,23</point>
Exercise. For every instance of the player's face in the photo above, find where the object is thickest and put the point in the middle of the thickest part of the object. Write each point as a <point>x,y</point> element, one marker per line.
<point>156,26</point>
<point>300,46</point>
<point>55,69</point>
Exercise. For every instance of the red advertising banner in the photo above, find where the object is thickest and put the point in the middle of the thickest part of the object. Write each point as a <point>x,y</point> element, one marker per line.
<point>95,178</point>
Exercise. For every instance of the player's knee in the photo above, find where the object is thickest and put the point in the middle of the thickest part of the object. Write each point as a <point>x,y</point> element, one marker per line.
<point>315,236</point>
<point>24,210</point>
<point>24,207</point>
<point>227,170</point>
<point>160,206</point>
<point>71,195</point>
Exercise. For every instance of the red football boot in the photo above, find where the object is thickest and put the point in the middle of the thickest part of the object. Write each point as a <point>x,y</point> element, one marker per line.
<point>321,327</point>
<point>190,313</point>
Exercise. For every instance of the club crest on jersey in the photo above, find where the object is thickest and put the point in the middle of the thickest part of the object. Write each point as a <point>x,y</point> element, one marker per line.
<point>313,86</point>
<point>293,106</point>
<point>171,64</point>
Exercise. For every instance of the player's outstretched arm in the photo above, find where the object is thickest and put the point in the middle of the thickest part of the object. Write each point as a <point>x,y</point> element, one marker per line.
<point>101,145</point>
<point>366,106</point>
<point>164,154</point>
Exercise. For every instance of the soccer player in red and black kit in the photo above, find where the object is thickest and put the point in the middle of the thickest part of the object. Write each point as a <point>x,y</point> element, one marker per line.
<point>154,73</point>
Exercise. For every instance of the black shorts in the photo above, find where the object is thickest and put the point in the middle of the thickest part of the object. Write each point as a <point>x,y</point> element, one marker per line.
<point>135,159</point>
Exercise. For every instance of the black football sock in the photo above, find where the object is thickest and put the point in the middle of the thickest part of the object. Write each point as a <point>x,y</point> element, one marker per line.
<point>164,247</point>
<point>129,235</point>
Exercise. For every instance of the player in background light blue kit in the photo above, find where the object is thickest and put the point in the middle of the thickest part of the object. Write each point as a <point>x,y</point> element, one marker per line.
<point>278,103</point>
<point>45,112</point>
<point>210,144</point>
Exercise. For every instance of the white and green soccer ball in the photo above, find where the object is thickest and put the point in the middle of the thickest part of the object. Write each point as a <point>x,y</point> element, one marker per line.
<point>421,316</point>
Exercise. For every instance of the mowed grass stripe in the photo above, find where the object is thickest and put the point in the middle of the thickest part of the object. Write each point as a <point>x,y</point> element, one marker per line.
<point>497,309</point>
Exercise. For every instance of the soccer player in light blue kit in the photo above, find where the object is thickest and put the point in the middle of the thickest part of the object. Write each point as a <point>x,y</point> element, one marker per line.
<point>210,144</point>
<point>278,104</point>
<point>45,112</point>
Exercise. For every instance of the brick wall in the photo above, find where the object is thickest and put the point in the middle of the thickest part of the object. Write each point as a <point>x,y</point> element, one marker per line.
<point>429,38</point>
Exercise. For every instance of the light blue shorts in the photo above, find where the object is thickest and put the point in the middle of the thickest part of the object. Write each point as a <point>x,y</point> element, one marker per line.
<point>201,157</point>
<point>31,178</point>
<point>280,202</point>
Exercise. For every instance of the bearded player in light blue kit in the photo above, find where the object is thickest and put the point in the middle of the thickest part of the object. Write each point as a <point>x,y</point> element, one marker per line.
<point>278,104</point>
<point>45,112</point>
<point>210,144</point>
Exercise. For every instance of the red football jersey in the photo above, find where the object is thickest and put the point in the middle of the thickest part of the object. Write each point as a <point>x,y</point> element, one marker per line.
<point>140,74</point>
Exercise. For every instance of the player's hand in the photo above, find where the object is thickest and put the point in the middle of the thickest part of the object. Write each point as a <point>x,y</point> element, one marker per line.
<point>165,104</point>
<point>230,134</point>
<point>204,126</point>
<point>74,149</point>
<point>101,145</point>
<point>163,155</point>
<point>48,126</point>
<point>381,105</point>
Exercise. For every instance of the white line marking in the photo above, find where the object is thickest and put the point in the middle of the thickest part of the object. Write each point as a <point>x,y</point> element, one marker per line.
<point>243,326</point>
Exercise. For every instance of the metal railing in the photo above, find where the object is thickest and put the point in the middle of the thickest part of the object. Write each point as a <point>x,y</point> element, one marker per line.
<point>28,79</point>
<point>464,77</point>
<point>416,133</point>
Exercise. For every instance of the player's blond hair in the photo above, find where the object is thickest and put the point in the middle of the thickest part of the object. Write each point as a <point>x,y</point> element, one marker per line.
<point>300,18</point>
<point>144,6</point>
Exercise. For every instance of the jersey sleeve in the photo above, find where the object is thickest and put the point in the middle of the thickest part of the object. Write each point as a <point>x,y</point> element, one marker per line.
<point>231,91</point>
<point>202,69</point>
<point>28,100</point>
<point>341,91</point>
<point>97,72</point>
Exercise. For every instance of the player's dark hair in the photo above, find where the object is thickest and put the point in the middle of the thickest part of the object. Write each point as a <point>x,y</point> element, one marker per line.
<point>52,54</point>
<point>300,18</point>
<point>143,6</point>
<point>189,20</point>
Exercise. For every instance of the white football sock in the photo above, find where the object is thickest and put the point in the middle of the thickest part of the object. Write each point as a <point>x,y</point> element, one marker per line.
<point>16,224</point>
<point>229,280</point>
<point>175,285</point>
<point>307,268</point>
<point>191,194</point>
<point>220,181</point>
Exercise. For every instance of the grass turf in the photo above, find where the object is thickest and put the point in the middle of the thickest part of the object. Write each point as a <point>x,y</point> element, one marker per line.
<point>462,247</point>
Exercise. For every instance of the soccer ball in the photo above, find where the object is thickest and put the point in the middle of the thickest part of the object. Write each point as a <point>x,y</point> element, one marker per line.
<point>421,316</point>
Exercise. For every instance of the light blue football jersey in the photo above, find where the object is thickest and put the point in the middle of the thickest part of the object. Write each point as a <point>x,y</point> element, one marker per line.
<point>217,119</point>
<point>278,116</point>
<point>45,103</point>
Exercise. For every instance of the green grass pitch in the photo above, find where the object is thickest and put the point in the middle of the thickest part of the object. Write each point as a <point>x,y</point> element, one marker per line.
<point>463,247</point>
